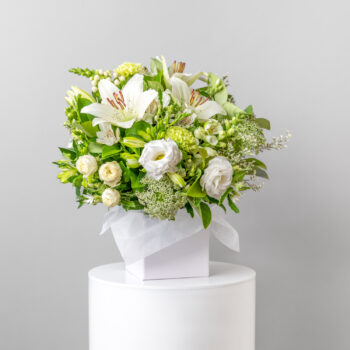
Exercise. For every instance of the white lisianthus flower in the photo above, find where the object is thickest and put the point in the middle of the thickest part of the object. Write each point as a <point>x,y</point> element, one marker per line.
<point>159,157</point>
<point>87,165</point>
<point>110,173</point>
<point>110,197</point>
<point>217,177</point>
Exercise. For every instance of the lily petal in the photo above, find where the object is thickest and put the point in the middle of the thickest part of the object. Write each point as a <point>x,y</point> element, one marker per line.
<point>180,90</point>
<point>165,73</point>
<point>125,125</point>
<point>100,110</point>
<point>107,89</point>
<point>189,79</point>
<point>133,89</point>
<point>208,109</point>
<point>144,101</point>
<point>165,98</point>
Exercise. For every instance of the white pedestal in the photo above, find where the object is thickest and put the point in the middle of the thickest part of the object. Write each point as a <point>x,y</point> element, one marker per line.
<point>207,313</point>
<point>187,258</point>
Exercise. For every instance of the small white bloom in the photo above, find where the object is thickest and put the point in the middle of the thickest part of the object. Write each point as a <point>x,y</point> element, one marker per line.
<point>106,135</point>
<point>86,165</point>
<point>217,177</point>
<point>213,127</point>
<point>121,107</point>
<point>159,157</point>
<point>110,197</point>
<point>94,89</point>
<point>202,107</point>
<point>110,173</point>
<point>89,199</point>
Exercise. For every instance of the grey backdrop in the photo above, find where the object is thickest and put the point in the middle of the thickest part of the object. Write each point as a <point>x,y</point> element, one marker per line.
<point>290,59</point>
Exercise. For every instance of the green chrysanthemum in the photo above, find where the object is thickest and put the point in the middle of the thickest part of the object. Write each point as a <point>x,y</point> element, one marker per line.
<point>161,198</point>
<point>183,137</point>
<point>128,69</point>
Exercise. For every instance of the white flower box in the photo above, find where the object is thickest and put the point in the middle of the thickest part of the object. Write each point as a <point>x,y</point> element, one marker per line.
<point>186,258</point>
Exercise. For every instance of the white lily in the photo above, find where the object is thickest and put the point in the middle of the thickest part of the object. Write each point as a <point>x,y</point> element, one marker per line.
<point>121,107</point>
<point>106,136</point>
<point>193,101</point>
<point>177,71</point>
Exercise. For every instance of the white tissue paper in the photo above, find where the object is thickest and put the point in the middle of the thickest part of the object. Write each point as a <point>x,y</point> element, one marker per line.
<point>138,235</point>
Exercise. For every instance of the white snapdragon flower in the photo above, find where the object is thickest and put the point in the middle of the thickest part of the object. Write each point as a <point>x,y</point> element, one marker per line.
<point>159,157</point>
<point>87,165</point>
<point>110,197</point>
<point>110,173</point>
<point>217,177</point>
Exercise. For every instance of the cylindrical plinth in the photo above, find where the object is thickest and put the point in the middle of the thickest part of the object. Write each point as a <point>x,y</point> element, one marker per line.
<point>209,313</point>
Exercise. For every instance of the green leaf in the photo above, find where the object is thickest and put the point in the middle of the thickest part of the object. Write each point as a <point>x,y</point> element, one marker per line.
<point>138,126</point>
<point>195,190</point>
<point>221,97</point>
<point>109,151</point>
<point>257,162</point>
<point>263,123</point>
<point>249,110</point>
<point>231,109</point>
<point>66,175</point>
<point>217,88</point>
<point>189,209</point>
<point>89,129</point>
<point>135,178</point>
<point>225,195</point>
<point>155,85</point>
<point>238,176</point>
<point>205,214</point>
<point>261,173</point>
<point>68,153</point>
<point>232,205</point>
<point>95,147</point>
<point>156,65</point>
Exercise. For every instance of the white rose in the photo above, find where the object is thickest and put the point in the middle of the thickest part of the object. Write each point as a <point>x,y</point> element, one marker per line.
<point>159,157</point>
<point>217,177</point>
<point>86,165</point>
<point>110,173</point>
<point>110,197</point>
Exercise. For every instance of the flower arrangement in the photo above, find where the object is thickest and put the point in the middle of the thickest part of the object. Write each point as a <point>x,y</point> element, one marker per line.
<point>146,139</point>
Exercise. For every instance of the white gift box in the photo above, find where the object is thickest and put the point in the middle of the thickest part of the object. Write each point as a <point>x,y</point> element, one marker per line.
<point>162,249</point>
<point>186,258</point>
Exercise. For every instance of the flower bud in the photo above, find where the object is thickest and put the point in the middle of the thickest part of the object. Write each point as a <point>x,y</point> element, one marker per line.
<point>222,135</point>
<point>177,179</point>
<point>133,142</point>
<point>211,140</point>
<point>199,133</point>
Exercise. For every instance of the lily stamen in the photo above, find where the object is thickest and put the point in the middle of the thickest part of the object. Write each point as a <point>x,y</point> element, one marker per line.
<point>178,67</point>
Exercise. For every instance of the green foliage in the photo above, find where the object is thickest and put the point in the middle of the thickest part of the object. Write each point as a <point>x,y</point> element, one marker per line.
<point>205,214</point>
<point>85,72</point>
